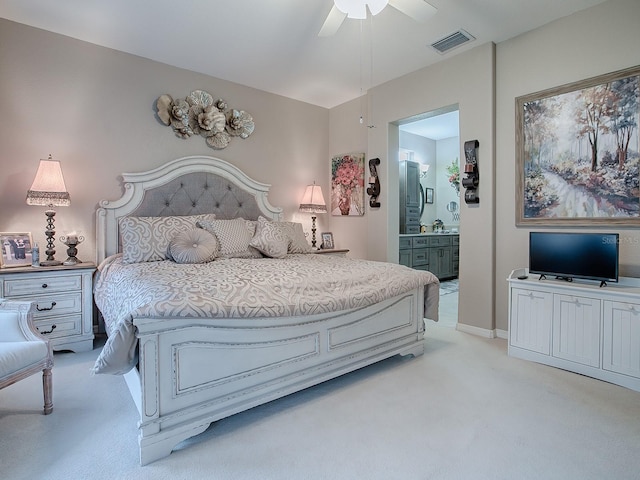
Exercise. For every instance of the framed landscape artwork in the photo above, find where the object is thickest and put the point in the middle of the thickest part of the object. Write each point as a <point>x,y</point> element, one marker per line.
<point>347,184</point>
<point>577,153</point>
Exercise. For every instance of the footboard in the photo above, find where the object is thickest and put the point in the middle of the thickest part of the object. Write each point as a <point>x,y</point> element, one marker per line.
<point>193,371</point>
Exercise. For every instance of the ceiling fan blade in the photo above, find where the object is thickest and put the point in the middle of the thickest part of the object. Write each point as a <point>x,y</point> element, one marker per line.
<point>332,23</point>
<point>419,10</point>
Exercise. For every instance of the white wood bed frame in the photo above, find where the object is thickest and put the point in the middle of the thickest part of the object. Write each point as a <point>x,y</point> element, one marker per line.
<point>191,374</point>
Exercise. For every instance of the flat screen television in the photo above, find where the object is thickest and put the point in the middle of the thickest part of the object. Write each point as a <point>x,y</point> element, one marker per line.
<point>591,256</point>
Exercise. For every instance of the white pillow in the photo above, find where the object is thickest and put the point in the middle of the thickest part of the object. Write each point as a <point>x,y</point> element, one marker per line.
<point>146,239</point>
<point>193,246</point>
<point>234,237</point>
<point>297,240</point>
<point>270,239</point>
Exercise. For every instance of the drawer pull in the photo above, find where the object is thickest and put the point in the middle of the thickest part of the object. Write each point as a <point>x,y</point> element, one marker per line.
<point>53,304</point>
<point>44,332</point>
<point>44,285</point>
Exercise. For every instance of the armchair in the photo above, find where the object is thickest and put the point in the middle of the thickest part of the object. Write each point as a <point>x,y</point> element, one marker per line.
<point>23,351</point>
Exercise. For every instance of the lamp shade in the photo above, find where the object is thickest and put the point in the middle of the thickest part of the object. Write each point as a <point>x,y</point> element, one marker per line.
<point>313,200</point>
<point>48,187</point>
<point>358,8</point>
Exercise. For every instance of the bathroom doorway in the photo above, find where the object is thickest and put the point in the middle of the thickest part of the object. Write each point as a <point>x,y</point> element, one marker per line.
<point>432,140</point>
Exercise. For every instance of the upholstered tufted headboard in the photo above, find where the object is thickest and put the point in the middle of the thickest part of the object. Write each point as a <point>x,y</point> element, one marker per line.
<point>186,186</point>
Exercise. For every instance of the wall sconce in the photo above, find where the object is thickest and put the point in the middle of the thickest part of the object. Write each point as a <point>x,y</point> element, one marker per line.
<point>48,189</point>
<point>374,183</point>
<point>313,202</point>
<point>470,183</point>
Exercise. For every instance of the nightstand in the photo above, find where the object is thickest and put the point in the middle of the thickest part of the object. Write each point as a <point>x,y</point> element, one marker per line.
<point>63,297</point>
<point>342,252</point>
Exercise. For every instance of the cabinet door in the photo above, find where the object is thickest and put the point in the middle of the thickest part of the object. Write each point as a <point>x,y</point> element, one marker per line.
<point>440,262</point>
<point>621,338</point>
<point>413,184</point>
<point>576,329</point>
<point>530,320</point>
<point>405,258</point>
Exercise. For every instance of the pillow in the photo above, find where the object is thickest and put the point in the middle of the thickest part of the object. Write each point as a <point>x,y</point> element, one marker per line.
<point>193,246</point>
<point>146,239</point>
<point>297,239</point>
<point>270,239</point>
<point>233,236</point>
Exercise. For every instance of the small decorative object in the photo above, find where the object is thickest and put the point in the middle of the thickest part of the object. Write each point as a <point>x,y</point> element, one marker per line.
<point>374,183</point>
<point>200,114</point>
<point>453,171</point>
<point>313,202</point>
<point>48,189</point>
<point>438,225</point>
<point>577,153</point>
<point>72,240</point>
<point>470,183</point>
<point>428,197</point>
<point>347,184</point>
<point>327,241</point>
<point>16,249</point>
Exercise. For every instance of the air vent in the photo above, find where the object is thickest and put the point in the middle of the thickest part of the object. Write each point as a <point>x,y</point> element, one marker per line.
<point>452,41</point>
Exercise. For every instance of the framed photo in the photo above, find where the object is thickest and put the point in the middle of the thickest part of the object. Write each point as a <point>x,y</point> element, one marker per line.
<point>16,249</point>
<point>577,160</point>
<point>428,195</point>
<point>327,241</point>
<point>347,184</point>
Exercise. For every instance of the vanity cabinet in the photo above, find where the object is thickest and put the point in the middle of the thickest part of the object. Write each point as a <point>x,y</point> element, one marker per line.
<point>438,253</point>
<point>577,326</point>
<point>411,202</point>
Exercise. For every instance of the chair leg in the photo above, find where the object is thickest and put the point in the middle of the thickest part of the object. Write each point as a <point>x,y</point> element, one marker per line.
<point>47,387</point>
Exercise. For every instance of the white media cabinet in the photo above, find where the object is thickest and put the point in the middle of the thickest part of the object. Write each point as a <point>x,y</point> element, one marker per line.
<point>577,326</point>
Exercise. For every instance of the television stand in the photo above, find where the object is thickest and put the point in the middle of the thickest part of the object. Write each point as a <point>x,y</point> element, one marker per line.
<point>577,326</point>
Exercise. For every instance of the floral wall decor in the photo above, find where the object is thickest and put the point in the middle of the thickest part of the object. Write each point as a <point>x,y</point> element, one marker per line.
<point>453,172</point>
<point>347,184</point>
<point>200,114</point>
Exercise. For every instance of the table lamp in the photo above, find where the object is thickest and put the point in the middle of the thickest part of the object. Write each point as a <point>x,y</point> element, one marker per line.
<point>48,189</point>
<point>313,202</point>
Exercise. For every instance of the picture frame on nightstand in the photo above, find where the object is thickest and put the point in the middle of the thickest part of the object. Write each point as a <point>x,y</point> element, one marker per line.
<point>327,241</point>
<point>16,249</point>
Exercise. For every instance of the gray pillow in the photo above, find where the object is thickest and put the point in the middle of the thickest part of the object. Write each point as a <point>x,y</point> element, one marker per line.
<point>270,239</point>
<point>193,246</point>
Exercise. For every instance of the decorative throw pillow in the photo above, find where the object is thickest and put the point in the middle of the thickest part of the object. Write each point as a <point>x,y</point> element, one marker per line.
<point>297,240</point>
<point>193,246</point>
<point>146,239</point>
<point>234,237</point>
<point>270,239</point>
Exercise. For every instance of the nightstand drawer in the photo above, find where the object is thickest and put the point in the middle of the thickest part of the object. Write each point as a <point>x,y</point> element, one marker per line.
<point>65,326</point>
<point>50,305</point>
<point>44,284</point>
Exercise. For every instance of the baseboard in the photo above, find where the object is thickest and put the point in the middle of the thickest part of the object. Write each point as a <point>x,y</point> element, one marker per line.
<point>504,334</point>
<point>480,332</point>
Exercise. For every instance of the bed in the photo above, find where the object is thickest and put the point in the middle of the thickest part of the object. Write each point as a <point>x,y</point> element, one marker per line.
<point>197,341</point>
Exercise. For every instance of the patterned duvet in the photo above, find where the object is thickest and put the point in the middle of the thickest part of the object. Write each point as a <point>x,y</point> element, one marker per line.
<point>240,288</point>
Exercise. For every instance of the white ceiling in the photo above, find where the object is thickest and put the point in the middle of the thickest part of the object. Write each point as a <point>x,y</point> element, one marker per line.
<point>272,45</point>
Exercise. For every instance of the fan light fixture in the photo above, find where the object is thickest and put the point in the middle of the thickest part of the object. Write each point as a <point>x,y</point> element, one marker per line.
<point>358,8</point>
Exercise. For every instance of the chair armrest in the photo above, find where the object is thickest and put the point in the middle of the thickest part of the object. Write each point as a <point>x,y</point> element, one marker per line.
<point>16,319</point>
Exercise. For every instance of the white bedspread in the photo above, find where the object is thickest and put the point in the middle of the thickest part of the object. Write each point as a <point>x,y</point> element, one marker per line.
<point>241,288</point>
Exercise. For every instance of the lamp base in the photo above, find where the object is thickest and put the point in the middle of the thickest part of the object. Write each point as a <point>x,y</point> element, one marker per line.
<point>50,263</point>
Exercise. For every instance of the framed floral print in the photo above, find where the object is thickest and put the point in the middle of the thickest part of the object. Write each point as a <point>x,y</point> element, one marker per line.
<point>347,184</point>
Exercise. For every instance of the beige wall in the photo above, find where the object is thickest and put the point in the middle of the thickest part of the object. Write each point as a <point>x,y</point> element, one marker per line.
<point>93,109</point>
<point>602,39</point>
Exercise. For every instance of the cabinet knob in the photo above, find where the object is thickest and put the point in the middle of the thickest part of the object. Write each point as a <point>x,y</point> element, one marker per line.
<point>44,285</point>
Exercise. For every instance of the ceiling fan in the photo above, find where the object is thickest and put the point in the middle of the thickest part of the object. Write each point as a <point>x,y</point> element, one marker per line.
<point>419,10</point>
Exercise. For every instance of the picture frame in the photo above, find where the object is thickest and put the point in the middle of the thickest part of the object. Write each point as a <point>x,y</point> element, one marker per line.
<point>327,241</point>
<point>16,249</point>
<point>347,184</point>
<point>428,195</point>
<point>577,159</point>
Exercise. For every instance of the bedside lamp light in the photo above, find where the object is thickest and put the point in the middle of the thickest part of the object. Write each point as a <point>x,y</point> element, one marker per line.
<point>313,202</point>
<point>48,189</point>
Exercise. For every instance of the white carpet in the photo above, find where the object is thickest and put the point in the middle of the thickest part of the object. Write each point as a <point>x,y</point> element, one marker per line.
<point>464,410</point>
